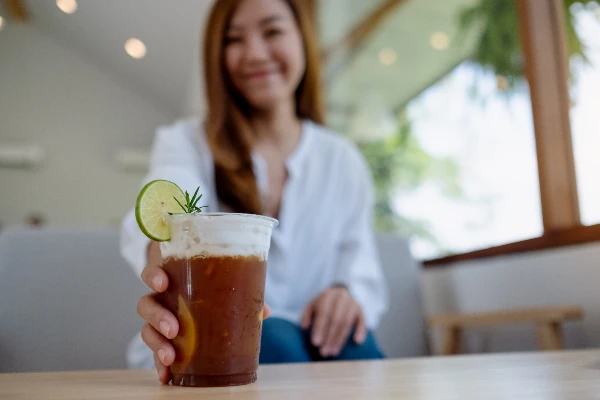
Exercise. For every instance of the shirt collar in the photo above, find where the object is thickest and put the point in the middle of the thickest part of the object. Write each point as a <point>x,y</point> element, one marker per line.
<point>295,161</point>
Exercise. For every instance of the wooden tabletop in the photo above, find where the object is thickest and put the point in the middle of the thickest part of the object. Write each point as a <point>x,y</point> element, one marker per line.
<point>567,375</point>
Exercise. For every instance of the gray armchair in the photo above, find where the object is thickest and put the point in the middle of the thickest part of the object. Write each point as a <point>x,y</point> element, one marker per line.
<point>67,300</point>
<point>402,330</point>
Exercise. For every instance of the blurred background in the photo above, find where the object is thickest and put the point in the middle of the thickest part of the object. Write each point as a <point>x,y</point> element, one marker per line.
<point>440,95</point>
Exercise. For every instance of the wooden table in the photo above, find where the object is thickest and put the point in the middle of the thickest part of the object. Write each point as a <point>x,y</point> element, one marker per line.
<point>566,375</point>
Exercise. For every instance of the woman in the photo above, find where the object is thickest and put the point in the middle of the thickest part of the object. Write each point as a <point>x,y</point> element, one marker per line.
<point>262,150</point>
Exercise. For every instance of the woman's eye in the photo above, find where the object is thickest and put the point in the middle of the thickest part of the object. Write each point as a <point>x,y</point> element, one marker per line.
<point>272,32</point>
<point>232,39</point>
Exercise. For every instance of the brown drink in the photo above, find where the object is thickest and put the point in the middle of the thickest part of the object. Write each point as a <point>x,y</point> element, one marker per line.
<point>216,265</point>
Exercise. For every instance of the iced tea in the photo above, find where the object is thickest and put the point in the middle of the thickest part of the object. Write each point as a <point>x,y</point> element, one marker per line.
<point>216,264</point>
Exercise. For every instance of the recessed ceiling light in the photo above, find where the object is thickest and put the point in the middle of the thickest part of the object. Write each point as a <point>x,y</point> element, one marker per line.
<point>67,6</point>
<point>439,40</point>
<point>387,56</point>
<point>135,48</point>
<point>1,22</point>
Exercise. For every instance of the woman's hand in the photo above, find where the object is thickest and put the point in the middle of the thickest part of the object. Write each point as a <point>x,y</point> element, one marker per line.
<point>333,315</point>
<point>161,325</point>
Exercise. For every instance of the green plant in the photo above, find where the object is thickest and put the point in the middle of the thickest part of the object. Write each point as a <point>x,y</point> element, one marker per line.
<point>498,47</point>
<point>398,164</point>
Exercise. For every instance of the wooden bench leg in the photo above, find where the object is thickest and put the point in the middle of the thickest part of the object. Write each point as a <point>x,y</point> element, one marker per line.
<point>452,338</point>
<point>550,336</point>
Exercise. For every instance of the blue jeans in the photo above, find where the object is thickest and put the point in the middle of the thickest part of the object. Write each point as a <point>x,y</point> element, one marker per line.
<point>285,342</point>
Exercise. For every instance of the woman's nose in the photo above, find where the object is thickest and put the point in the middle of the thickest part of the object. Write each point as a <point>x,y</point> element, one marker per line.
<point>256,49</point>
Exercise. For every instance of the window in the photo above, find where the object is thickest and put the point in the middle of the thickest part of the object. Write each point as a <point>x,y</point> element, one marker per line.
<point>482,186</point>
<point>450,141</point>
<point>585,115</point>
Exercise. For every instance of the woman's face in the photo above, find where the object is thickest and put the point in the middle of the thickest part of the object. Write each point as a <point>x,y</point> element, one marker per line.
<point>264,52</point>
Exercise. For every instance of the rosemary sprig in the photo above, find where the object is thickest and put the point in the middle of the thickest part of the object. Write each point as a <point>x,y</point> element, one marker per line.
<point>191,204</point>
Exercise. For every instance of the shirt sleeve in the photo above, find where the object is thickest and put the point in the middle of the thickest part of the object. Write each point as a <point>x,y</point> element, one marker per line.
<point>174,157</point>
<point>359,266</point>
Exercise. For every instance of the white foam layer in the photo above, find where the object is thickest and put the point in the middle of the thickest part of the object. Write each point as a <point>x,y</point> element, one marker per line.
<point>218,235</point>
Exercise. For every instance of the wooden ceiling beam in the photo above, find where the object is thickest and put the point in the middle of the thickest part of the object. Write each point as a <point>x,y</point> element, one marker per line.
<point>17,11</point>
<point>345,49</point>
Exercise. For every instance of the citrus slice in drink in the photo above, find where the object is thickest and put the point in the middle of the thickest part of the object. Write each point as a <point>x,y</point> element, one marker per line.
<point>186,339</point>
<point>154,204</point>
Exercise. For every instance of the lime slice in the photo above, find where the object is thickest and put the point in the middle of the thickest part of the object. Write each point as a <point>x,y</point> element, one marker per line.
<point>186,341</point>
<point>154,203</point>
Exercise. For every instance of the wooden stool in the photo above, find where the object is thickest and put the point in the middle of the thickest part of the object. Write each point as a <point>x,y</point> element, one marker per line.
<point>547,321</point>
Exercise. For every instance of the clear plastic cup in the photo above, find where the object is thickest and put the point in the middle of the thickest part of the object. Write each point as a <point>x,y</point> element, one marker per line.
<point>216,264</point>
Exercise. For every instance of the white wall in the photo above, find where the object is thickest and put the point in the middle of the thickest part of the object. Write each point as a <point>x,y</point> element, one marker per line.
<point>195,103</point>
<point>51,96</point>
<point>566,276</point>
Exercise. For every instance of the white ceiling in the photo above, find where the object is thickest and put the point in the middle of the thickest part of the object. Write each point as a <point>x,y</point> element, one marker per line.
<point>169,74</point>
<point>407,31</point>
<point>99,29</point>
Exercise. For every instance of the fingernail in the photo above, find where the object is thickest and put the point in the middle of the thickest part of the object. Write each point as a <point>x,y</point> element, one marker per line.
<point>157,282</point>
<point>165,328</point>
<point>161,355</point>
<point>316,341</point>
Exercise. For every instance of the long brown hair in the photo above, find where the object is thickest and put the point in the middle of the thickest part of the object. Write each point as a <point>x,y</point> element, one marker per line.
<point>228,130</point>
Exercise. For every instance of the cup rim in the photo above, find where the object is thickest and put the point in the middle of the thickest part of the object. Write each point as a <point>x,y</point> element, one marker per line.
<point>264,218</point>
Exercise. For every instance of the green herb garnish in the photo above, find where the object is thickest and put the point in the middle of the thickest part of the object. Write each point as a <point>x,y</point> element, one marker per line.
<point>191,205</point>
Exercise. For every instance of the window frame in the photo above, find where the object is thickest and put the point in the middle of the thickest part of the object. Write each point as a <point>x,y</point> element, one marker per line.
<point>543,39</point>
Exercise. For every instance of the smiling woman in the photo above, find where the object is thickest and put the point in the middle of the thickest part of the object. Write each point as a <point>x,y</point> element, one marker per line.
<point>263,150</point>
<point>261,79</point>
<point>267,58</point>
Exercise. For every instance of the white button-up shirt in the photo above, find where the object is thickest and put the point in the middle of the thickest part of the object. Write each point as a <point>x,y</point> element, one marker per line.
<point>325,235</point>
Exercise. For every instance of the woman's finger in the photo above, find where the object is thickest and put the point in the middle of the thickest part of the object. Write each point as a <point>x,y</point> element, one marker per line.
<point>360,332</point>
<point>155,278</point>
<point>158,344</point>
<point>266,312</point>
<point>159,317</point>
<point>307,316</point>
<point>164,375</point>
<point>322,312</point>
<point>342,318</point>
